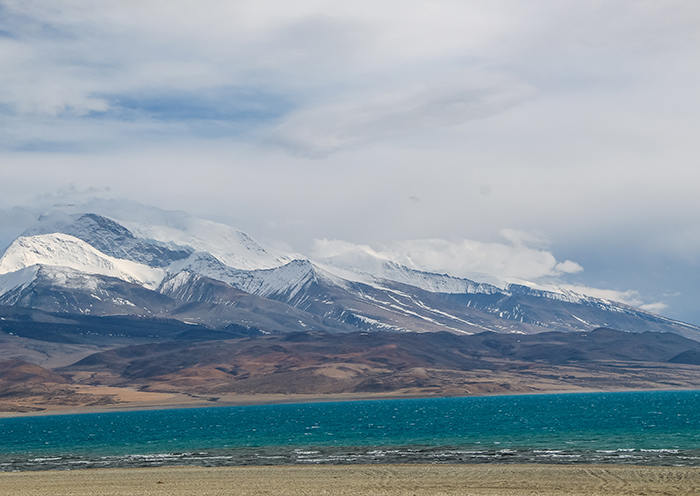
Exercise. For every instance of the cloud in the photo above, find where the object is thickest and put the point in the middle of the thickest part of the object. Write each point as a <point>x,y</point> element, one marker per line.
<point>357,76</point>
<point>397,112</point>
<point>524,238</point>
<point>656,307</point>
<point>568,267</point>
<point>498,262</point>
<point>629,297</point>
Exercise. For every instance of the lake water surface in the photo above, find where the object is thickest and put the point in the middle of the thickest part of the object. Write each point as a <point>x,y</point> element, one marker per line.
<point>654,428</point>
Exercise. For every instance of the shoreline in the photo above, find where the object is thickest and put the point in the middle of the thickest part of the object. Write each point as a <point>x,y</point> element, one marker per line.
<point>287,399</point>
<point>350,480</point>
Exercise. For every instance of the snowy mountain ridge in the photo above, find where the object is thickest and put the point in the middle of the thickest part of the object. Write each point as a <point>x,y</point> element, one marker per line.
<point>202,271</point>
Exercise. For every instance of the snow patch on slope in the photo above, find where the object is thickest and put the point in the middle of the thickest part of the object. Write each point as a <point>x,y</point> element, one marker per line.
<point>206,265</point>
<point>287,280</point>
<point>63,250</point>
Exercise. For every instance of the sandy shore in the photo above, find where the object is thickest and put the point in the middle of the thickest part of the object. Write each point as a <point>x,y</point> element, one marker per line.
<point>171,401</point>
<point>379,480</point>
<point>165,401</point>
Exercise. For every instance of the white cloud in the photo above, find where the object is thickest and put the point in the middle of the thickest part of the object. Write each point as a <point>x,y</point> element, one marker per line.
<point>630,297</point>
<point>497,263</point>
<point>568,267</point>
<point>484,261</point>
<point>656,307</point>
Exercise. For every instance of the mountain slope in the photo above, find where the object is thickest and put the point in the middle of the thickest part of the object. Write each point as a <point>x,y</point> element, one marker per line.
<point>432,362</point>
<point>382,304</point>
<point>62,289</point>
<point>216,303</point>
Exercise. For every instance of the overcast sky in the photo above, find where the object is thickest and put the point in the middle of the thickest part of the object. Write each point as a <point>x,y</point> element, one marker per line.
<point>548,141</point>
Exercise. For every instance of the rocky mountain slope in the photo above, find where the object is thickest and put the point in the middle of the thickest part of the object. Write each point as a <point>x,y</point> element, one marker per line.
<point>360,362</point>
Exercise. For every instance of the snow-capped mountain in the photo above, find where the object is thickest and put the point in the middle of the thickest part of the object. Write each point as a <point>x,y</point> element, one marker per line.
<point>111,238</point>
<point>200,271</point>
<point>64,250</point>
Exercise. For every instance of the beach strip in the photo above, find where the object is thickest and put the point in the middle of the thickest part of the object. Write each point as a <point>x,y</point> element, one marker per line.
<point>377,480</point>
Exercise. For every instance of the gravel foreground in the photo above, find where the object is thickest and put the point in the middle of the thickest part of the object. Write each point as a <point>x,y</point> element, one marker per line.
<point>379,480</point>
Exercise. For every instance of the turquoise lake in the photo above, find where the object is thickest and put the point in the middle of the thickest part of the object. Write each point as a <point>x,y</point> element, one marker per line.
<point>636,427</point>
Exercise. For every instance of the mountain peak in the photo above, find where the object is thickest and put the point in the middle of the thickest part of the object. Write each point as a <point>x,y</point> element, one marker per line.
<point>98,223</point>
<point>64,250</point>
<point>111,238</point>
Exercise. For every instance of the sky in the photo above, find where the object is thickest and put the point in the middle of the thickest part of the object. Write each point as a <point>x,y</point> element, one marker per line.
<point>552,142</point>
